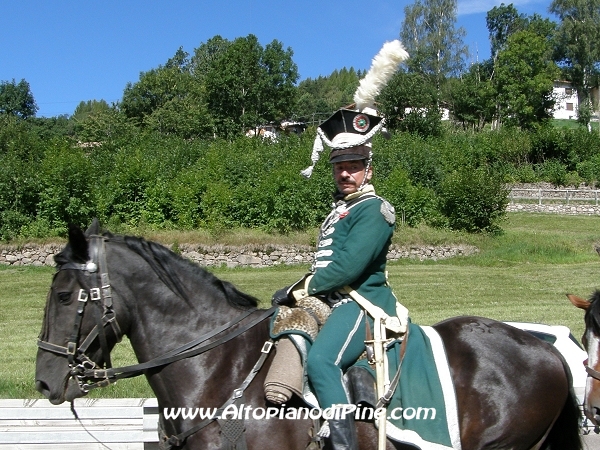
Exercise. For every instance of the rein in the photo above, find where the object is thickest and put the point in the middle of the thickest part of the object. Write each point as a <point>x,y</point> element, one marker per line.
<point>113,374</point>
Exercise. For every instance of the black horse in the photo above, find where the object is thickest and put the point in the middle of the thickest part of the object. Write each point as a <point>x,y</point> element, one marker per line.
<point>201,343</point>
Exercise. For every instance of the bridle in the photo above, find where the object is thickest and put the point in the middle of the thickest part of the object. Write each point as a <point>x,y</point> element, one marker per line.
<point>89,375</point>
<point>83,368</point>
<point>591,372</point>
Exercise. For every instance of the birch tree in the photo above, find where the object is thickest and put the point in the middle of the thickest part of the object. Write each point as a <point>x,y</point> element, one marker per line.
<point>578,40</point>
<point>432,40</point>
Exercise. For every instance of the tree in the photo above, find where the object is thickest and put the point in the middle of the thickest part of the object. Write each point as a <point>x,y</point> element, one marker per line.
<point>84,109</point>
<point>247,85</point>
<point>157,87</point>
<point>525,75</point>
<point>502,21</point>
<point>206,55</point>
<point>543,27</point>
<point>473,96</point>
<point>16,99</point>
<point>48,128</point>
<point>185,117</point>
<point>281,74</point>
<point>408,103</point>
<point>320,97</point>
<point>434,44</point>
<point>577,44</point>
<point>105,125</point>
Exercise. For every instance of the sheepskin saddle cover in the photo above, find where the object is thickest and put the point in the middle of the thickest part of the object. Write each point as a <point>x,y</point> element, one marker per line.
<point>306,318</point>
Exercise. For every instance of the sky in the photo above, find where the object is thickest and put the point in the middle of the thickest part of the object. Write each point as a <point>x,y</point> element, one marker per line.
<point>72,51</point>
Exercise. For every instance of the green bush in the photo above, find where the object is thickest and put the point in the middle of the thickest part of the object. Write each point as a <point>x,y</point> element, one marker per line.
<point>413,204</point>
<point>21,152</point>
<point>567,146</point>
<point>133,178</point>
<point>579,145</point>
<point>19,185</point>
<point>12,224</point>
<point>589,170</point>
<point>157,201</point>
<point>524,174</point>
<point>419,158</point>
<point>257,184</point>
<point>553,171</point>
<point>473,200</point>
<point>187,190</point>
<point>66,195</point>
<point>545,144</point>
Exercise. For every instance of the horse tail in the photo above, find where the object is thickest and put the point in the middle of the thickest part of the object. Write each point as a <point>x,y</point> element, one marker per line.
<point>566,431</point>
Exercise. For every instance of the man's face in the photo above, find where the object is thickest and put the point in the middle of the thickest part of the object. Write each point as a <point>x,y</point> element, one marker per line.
<point>349,175</point>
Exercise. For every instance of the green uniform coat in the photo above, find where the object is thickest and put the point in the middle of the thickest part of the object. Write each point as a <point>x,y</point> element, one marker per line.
<point>352,250</point>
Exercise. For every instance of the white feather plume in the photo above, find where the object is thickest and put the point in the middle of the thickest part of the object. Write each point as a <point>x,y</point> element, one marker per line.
<point>383,67</point>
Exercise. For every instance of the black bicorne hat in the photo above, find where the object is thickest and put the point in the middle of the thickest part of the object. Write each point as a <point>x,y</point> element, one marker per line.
<point>349,132</point>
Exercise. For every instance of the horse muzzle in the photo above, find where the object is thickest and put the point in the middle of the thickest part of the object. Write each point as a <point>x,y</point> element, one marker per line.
<point>68,392</point>
<point>54,379</point>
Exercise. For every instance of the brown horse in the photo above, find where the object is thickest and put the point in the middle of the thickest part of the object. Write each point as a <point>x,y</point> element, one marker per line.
<point>591,342</point>
<point>201,343</point>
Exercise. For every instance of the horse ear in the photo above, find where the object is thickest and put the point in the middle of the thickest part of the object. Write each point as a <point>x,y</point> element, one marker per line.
<point>94,228</point>
<point>578,301</point>
<point>78,242</point>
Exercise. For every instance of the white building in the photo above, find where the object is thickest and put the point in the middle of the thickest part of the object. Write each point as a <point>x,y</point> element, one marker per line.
<point>566,100</point>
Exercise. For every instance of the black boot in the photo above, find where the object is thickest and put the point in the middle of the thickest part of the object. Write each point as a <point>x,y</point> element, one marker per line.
<point>342,434</point>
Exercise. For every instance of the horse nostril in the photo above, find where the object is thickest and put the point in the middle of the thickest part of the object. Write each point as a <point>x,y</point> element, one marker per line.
<point>42,387</point>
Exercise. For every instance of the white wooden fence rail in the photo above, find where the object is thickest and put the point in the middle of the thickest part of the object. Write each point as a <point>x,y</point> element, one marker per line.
<point>115,424</point>
<point>562,195</point>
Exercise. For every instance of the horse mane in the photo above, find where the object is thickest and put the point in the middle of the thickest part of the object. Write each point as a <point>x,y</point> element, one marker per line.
<point>592,316</point>
<point>168,265</point>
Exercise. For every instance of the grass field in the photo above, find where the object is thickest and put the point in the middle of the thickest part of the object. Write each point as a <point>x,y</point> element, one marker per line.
<point>520,275</point>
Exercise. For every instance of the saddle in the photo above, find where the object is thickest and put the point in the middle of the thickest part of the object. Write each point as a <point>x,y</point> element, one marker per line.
<point>422,400</point>
<point>295,329</point>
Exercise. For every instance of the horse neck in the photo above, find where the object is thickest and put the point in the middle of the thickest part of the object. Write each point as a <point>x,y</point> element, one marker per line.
<point>207,379</point>
<point>160,319</point>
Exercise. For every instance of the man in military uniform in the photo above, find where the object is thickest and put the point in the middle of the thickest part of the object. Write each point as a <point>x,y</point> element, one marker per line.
<point>351,255</point>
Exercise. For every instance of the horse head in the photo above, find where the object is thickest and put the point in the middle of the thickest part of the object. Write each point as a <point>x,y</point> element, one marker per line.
<point>591,342</point>
<point>80,326</point>
<point>108,286</point>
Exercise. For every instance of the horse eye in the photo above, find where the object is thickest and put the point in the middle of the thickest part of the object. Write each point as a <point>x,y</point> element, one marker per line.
<point>64,297</point>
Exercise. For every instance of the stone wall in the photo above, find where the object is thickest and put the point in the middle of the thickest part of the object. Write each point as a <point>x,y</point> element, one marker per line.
<point>248,256</point>
<point>29,254</point>
<point>571,209</point>
<point>265,256</point>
